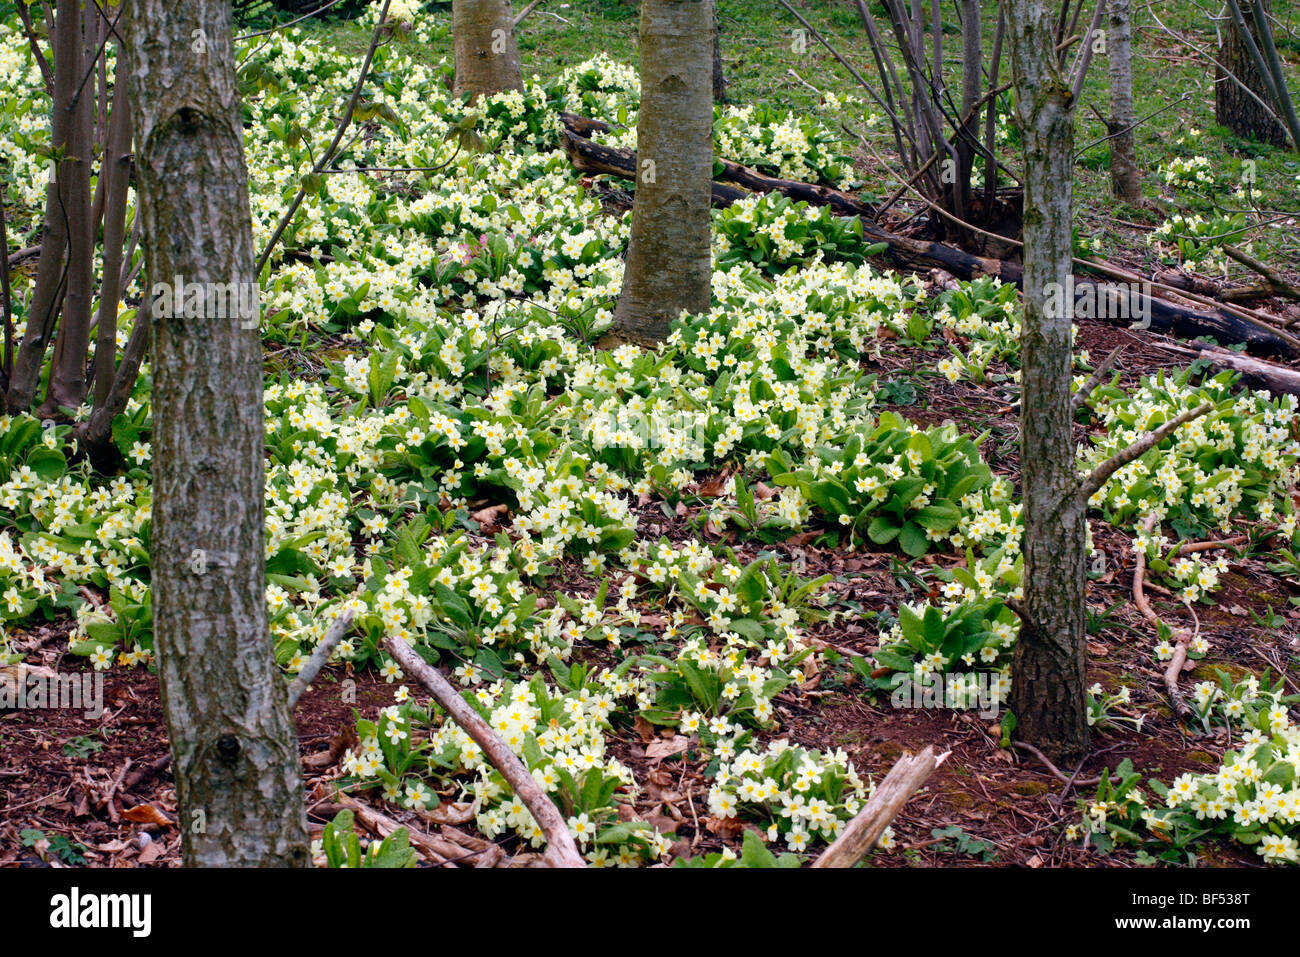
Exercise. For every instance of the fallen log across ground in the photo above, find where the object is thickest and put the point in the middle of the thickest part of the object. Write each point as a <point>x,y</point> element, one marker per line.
<point>1119,304</point>
<point>1256,373</point>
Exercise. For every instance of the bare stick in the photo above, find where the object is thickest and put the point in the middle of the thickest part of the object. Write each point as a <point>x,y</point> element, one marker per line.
<point>523,14</point>
<point>1139,569</point>
<point>561,851</point>
<point>1085,390</point>
<point>285,26</point>
<point>1192,547</point>
<point>861,833</point>
<point>1267,107</point>
<point>1180,635</point>
<point>1085,50</point>
<point>1276,282</point>
<point>1046,762</point>
<point>898,125</point>
<point>47,75</point>
<point>435,849</point>
<point>1088,487</point>
<point>321,655</point>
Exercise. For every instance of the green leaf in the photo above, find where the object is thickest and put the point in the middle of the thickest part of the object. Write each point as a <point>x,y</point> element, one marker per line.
<point>883,529</point>
<point>913,541</point>
<point>48,464</point>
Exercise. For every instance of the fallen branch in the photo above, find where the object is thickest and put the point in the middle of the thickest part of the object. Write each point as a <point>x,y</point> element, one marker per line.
<point>1276,282</point>
<point>523,14</point>
<point>487,853</point>
<point>1180,635</point>
<point>321,655</point>
<point>435,849</point>
<point>1257,373</point>
<point>861,833</point>
<point>561,851</point>
<point>589,157</point>
<point>1079,398</point>
<point>1192,547</point>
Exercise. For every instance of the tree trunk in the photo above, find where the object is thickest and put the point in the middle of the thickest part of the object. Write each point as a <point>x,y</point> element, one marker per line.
<point>67,385</point>
<point>972,66</point>
<point>235,756</point>
<point>487,55</point>
<point>1234,107</point>
<point>1124,176</point>
<point>719,75</point>
<point>669,265</point>
<point>115,175</point>
<point>1047,694</point>
<point>46,299</point>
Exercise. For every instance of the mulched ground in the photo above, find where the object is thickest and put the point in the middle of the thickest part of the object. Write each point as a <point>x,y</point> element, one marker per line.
<point>104,784</point>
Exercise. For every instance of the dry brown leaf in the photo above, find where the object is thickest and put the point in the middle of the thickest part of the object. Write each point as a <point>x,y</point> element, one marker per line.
<point>488,518</point>
<point>147,814</point>
<point>727,828</point>
<point>644,729</point>
<point>712,488</point>
<point>153,850</point>
<point>662,823</point>
<point>666,748</point>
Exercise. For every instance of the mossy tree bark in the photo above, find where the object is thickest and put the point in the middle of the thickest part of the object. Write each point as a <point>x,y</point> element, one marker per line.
<point>234,751</point>
<point>669,265</point>
<point>1047,694</point>
<point>486,53</point>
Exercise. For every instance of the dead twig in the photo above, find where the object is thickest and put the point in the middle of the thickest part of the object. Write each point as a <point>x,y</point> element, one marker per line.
<point>321,655</point>
<point>1079,398</point>
<point>561,851</point>
<point>1180,635</point>
<point>1047,763</point>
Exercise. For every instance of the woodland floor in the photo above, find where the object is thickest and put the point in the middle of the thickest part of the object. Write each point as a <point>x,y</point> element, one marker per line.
<point>102,784</point>
<point>65,775</point>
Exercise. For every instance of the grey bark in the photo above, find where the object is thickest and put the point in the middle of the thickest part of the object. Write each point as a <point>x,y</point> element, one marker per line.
<point>486,53</point>
<point>668,260</point>
<point>235,758</point>
<point>1047,694</point>
<point>1124,175</point>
